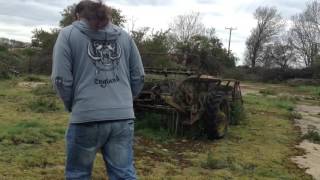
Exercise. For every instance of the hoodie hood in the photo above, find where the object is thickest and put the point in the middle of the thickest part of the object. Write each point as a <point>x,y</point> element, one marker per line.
<point>110,32</point>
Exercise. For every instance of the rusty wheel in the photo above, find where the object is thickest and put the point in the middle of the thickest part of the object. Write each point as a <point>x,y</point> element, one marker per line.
<point>218,117</point>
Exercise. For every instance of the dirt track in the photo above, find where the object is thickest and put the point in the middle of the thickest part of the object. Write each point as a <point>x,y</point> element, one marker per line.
<point>311,160</point>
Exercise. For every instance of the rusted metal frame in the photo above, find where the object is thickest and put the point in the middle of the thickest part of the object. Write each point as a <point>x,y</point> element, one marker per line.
<point>154,107</point>
<point>166,72</point>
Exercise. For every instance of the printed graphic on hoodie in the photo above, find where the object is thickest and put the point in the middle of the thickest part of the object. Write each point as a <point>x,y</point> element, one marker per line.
<point>105,55</point>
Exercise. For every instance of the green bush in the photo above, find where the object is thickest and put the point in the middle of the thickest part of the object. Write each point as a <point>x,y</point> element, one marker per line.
<point>151,126</point>
<point>4,74</point>
<point>238,113</point>
<point>9,62</point>
<point>3,48</point>
<point>150,121</point>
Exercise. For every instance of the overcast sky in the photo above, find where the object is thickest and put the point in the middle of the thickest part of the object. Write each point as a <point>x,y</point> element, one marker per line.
<point>19,17</point>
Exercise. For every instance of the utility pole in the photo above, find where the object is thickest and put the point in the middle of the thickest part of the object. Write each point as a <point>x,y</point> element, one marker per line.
<point>230,30</point>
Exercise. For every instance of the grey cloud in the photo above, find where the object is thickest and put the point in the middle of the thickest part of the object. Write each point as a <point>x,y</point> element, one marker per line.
<point>16,32</point>
<point>143,2</point>
<point>57,3</point>
<point>286,7</point>
<point>290,4</point>
<point>212,14</point>
<point>28,13</point>
<point>15,20</point>
<point>206,1</point>
<point>11,29</point>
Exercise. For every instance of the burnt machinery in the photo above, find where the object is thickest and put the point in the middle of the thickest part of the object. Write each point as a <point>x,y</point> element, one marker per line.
<point>190,101</point>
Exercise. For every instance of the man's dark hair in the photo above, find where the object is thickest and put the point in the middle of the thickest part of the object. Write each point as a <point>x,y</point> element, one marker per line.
<point>96,13</point>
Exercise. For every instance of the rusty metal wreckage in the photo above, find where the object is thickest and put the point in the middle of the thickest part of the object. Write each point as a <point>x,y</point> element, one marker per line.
<point>196,102</point>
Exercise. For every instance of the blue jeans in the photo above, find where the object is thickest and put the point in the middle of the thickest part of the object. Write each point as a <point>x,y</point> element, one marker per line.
<point>114,139</point>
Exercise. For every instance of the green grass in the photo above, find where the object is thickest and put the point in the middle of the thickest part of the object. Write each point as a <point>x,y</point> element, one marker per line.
<point>311,90</point>
<point>30,132</point>
<point>43,104</point>
<point>260,148</point>
<point>33,78</point>
<point>31,140</point>
<point>214,163</point>
<point>268,91</point>
<point>44,90</point>
<point>160,135</point>
<point>32,144</point>
<point>271,104</point>
<point>150,125</point>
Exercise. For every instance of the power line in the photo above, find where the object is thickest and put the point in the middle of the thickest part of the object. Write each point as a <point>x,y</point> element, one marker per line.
<point>230,32</point>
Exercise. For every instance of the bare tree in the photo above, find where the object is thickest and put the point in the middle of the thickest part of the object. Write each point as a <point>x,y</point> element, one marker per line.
<point>184,27</point>
<point>269,24</point>
<point>313,14</point>
<point>283,54</point>
<point>305,33</point>
<point>266,58</point>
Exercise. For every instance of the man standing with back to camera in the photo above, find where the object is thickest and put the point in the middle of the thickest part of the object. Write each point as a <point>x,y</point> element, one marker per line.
<point>97,71</point>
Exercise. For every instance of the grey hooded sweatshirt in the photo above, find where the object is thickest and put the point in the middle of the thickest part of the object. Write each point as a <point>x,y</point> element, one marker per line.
<point>96,73</point>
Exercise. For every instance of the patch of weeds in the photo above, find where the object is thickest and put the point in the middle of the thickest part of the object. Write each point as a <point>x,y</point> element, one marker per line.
<point>312,90</point>
<point>45,90</point>
<point>30,132</point>
<point>238,113</point>
<point>33,78</point>
<point>229,163</point>
<point>266,103</point>
<point>43,104</point>
<point>289,98</point>
<point>13,82</point>
<point>268,92</point>
<point>312,136</point>
<point>32,159</point>
<point>283,104</point>
<point>295,115</point>
<point>212,163</point>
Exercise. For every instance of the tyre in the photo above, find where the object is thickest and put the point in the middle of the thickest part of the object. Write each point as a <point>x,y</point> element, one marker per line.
<point>218,117</point>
